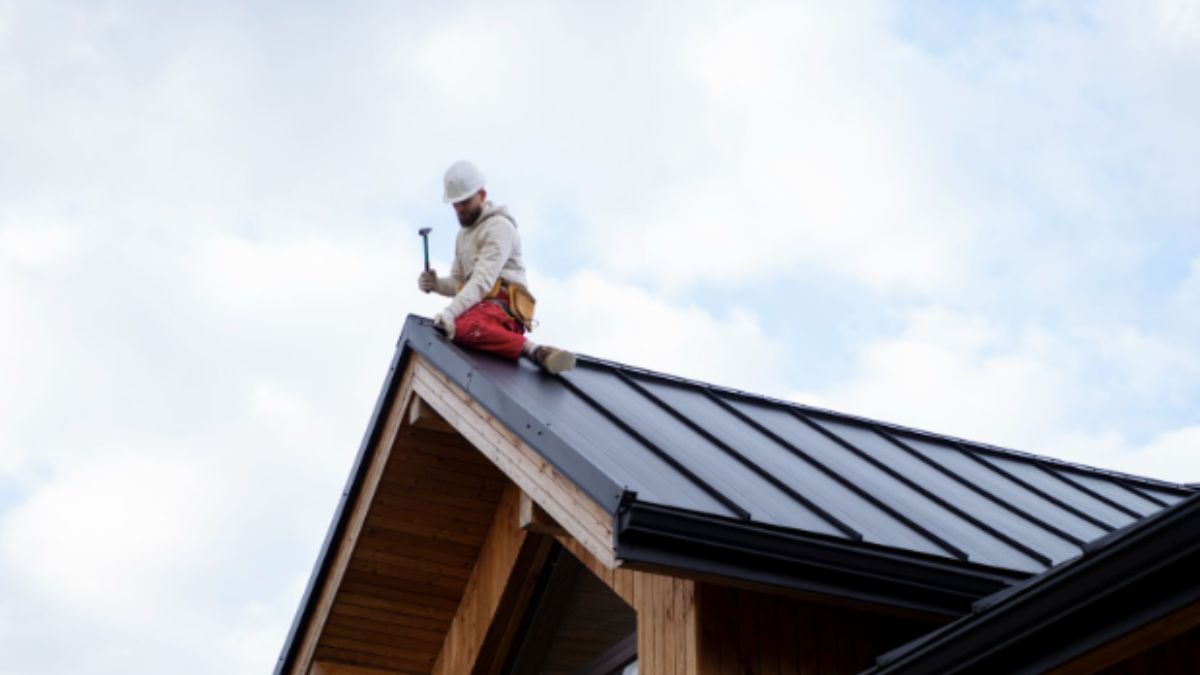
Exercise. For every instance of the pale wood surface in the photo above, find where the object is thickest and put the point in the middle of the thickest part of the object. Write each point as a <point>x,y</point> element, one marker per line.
<point>577,513</point>
<point>533,518</point>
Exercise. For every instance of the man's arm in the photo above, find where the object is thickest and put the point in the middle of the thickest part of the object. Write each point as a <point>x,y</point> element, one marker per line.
<point>496,244</point>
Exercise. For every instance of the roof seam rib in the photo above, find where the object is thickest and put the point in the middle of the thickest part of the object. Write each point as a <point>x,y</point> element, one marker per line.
<point>728,449</point>
<point>1035,490</point>
<point>1091,493</point>
<point>1144,494</point>
<point>981,491</point>
<point>1023,548</point>
<point>872,499</point>
<point>658,451</point>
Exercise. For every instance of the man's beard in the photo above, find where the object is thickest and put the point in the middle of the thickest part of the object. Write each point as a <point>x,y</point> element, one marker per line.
<point>468,218</point>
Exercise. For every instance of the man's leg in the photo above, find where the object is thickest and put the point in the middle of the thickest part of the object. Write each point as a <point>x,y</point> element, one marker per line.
<point>488,328</point>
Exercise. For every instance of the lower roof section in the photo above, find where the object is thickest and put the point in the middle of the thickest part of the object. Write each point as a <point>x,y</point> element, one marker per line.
<point>1081,610</point>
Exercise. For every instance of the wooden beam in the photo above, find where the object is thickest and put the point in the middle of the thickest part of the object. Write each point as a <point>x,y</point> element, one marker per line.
<point>569,506</point>
<point>496,596</point>
<point>533,518</point>
<point>422,416</point>
<point>326,594</point>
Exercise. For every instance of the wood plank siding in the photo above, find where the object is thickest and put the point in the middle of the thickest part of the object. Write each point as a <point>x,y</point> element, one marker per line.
<point>690,627</point>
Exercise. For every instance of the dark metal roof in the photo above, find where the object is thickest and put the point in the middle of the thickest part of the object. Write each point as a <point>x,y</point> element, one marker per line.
<point>697,448</point>
<point>1125,580</point>
<point>717,480</point>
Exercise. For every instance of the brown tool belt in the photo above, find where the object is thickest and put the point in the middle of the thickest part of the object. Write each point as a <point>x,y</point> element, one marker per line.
<point>520,302</point>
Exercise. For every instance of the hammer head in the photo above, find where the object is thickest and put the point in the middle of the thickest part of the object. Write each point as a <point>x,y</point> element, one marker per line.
<point>424,231</point>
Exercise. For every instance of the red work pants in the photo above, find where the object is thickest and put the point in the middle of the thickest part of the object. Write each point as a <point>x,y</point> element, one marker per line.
<point>489,328</point>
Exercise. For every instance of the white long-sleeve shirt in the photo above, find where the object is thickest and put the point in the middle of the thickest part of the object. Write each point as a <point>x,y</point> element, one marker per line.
<point>483,252</point>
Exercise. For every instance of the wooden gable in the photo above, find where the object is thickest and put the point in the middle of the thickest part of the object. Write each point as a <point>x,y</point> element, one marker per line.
<point>450,529</point>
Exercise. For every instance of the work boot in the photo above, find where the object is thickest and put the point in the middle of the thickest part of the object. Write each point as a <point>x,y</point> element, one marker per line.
<point>553,360</point>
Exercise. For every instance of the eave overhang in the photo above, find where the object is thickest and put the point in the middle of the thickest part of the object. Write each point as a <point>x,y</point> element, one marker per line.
<point>661,537</point>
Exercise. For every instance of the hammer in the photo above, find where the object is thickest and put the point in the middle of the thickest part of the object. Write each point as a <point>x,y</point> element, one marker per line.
<point>424,232</point>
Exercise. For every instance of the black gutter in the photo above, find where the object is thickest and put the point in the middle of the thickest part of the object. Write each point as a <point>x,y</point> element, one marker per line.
<point>1125,580</point>
<point>656,535</point>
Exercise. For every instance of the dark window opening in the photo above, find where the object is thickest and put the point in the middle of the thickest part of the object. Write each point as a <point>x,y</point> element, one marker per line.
<point>575,625</point>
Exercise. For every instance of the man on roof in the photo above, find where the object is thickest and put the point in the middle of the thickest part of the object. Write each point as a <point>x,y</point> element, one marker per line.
<point>492,308</point>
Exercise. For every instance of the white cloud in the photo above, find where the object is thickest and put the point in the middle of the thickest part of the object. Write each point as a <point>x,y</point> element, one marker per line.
<point>1172,455</point>
<point>965,375</point>
<point>207,247</point>
<point>959,374</point>
<point>137,517</point>
<point>592,314</point>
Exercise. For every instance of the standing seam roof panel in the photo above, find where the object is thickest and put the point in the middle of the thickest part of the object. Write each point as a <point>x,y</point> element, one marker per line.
<point>1010,524</point>
<point>1121,495</point>
<point>783,509</point>
<point>933,512</point>
<point>1170,498</point>
<point>1013,493</point>
<point>665,484</point>
<point>979,545</point>
<point>1064,491</point>
<point>709,462</point>
<point>876,524</point>
<point>610,448</point>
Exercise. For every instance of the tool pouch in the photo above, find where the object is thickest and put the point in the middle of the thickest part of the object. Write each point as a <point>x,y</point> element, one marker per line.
<point>521,303</point>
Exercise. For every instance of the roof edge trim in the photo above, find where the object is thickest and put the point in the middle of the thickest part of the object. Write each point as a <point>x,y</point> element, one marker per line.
<point>656,535</point>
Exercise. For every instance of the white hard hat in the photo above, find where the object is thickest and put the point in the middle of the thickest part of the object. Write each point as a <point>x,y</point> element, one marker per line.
<point>463,179</point>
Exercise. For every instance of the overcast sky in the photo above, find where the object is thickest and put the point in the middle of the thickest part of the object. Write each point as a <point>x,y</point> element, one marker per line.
<point>976,218</point>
